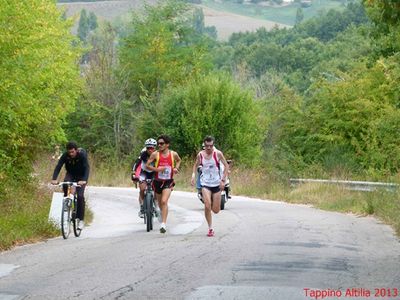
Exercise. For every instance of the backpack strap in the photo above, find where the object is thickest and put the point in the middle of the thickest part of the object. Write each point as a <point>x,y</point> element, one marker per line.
<point>157,160</point>
<point>216,159</point>
<point>172,158</point>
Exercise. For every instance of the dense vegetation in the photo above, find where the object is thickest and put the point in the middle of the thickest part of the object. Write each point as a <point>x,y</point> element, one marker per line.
<point>319,99</point>
<point>39,84</point>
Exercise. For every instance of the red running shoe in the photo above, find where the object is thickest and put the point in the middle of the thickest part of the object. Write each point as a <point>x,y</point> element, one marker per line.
<point>210,232</point>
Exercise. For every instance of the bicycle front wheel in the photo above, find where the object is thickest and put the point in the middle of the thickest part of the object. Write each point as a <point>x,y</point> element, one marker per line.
<point>77,230</point>
<point>149,211</point>
<point>66,218</point>
<point>223,201</point>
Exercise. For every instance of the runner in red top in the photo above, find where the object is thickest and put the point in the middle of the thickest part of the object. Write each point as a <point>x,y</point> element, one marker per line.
<point>165,163</point>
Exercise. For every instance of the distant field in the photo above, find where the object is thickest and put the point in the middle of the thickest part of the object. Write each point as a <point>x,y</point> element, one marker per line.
<point>225,22</point>
<point>228,23</point>
<point>280,14</point>
<point>108,10</point>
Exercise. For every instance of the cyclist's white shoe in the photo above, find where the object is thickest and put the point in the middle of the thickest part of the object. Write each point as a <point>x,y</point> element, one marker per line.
<point>81,224</point>
<point>141,212</point>
<point>163,228</point>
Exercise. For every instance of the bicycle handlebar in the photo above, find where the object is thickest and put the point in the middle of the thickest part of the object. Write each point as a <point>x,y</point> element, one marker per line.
<point>69,183</point>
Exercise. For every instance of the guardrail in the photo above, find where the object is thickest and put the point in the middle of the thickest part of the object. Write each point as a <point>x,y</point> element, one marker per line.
<point>367,186</point>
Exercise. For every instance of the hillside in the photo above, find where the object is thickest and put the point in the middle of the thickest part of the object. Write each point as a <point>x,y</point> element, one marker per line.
<point>226,23</point>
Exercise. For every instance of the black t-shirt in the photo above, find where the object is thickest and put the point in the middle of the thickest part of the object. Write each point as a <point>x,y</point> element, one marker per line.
<point>77,167</point>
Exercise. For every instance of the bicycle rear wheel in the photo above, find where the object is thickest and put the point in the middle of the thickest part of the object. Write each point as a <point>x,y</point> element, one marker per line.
<point>148,211</point>
<point>66,218</point>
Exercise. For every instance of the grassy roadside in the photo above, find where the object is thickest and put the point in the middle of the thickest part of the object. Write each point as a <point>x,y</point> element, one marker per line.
<point>25,209</point>
<point>24,214</point>
<point>383,205</point>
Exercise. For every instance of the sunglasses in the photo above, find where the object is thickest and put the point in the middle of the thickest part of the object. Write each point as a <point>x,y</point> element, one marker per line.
<point>161,143</point>
<point>150,148</point>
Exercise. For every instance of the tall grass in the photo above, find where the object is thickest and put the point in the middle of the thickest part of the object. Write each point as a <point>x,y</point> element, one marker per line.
<point>24,214</point>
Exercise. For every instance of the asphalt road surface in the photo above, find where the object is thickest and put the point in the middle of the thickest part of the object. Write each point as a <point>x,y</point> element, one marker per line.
<point>261,250</point>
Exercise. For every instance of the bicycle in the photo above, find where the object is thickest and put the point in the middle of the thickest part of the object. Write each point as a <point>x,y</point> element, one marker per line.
<point>149,205</point>
<point>68,211</point>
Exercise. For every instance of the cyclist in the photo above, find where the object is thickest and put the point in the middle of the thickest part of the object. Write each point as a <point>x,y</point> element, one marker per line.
<point>77,166</point>
<point>140,172</point>
<point>166,164</point>
<point>211,180</point>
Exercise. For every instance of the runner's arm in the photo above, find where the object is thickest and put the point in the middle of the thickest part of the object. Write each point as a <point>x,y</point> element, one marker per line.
<point>222,159</point>
<point>149,163</point>
<point>177,160</point>
<point>195,166</point>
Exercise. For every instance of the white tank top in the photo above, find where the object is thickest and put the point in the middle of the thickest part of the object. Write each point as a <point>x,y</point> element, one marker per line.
<point>210,174</point>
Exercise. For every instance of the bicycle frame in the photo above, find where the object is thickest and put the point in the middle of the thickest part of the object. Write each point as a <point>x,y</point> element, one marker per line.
<point>68,211</point>
<point>149,205</point>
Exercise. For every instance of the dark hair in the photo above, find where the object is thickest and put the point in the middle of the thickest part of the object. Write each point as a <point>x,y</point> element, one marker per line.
<point>71,145</point>
<point>164,137</point>
<point>208,139</point>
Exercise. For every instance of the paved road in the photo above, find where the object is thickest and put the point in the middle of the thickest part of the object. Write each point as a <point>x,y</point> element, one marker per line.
<point>262,250</point>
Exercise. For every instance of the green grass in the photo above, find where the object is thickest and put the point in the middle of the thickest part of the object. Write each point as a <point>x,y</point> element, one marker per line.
<point>24,215</point>
<point>284,14</point>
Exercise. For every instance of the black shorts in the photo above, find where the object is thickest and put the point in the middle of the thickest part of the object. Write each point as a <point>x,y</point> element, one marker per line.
<point>145,175</point>
<point>213,189</point>
<point>160,185</point>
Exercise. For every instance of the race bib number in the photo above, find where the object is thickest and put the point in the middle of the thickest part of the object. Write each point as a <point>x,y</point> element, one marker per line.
<point>166,174</point>
<point>210,174</point>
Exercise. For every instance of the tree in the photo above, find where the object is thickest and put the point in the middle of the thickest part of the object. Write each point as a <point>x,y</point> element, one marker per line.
<point>387,11</point>
<point>299,15</point>
<point>39,82</point>
<point>83,27</point>
<point>160,49</point>
<point>216,105</point>
<point>92,21</point>
<point>103,120</point>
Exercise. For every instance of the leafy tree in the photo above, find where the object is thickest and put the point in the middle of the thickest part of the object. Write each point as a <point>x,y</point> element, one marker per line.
<point>215,105</point>
<point>92,21</point>
<point>299,16</point>
<point>39,82</point>
<point>103,120</point>
<point>87,23</point>
<point>83,27</point>
<point>160,49</point>
<point>387,11</point>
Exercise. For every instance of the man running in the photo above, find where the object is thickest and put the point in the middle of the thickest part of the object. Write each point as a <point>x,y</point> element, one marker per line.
<point>211,180</point>
<point>165,163</point>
